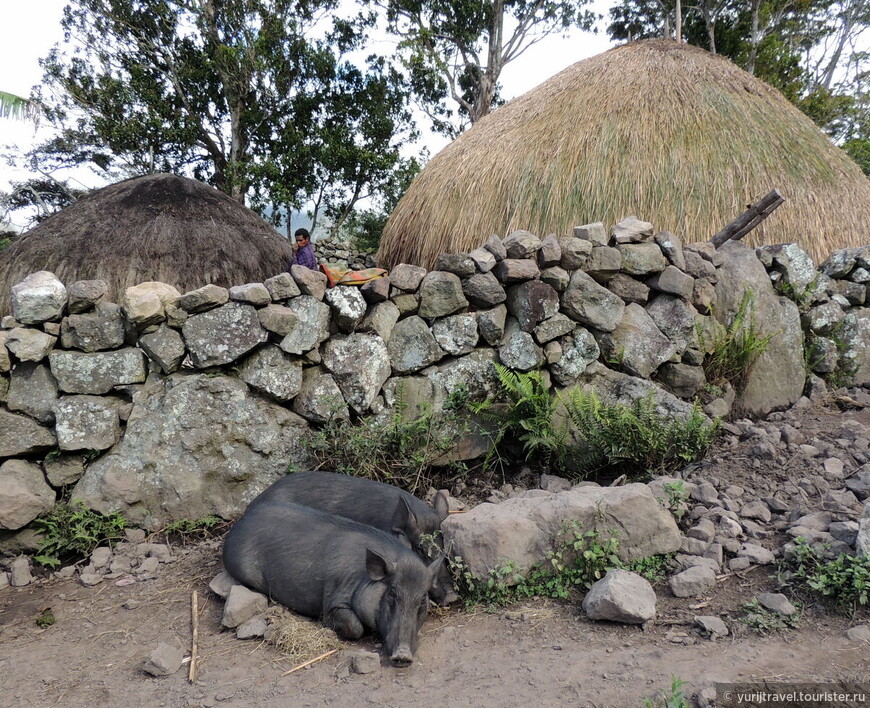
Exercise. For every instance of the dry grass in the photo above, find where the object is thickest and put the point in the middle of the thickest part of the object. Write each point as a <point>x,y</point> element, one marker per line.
<point>159,227</point>
<point>299,639</point>
<point>666,132</point>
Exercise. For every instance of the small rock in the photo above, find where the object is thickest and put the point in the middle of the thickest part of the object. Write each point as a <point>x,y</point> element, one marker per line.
<point>621,596</point>
<point>738,564</point>
<point>756,554</point>
<point>19,573</point>
<point>693,582</point>
<point>365,662</point>
<point>164,660</point>
<point>713,625</point>
<point>222,583</point>
<point>776,602</point>
<point>861,633</point>
<point>252,628</point>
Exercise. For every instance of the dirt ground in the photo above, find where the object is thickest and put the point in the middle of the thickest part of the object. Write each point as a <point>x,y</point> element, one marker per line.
<point>539,654</point>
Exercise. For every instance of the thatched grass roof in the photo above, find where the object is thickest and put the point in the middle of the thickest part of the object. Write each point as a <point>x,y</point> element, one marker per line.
<point>159,227</point>
<point>654,129</point>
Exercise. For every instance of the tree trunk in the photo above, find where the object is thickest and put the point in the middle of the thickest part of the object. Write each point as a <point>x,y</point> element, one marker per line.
<point>489,75</point>
<point>678,19</point>
<point>753,38</point>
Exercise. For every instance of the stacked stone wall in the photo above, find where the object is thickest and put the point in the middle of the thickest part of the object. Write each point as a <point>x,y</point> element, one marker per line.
<point>173,405</point>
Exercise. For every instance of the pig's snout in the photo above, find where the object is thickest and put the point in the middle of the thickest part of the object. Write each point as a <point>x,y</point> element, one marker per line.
<point>402,656</point>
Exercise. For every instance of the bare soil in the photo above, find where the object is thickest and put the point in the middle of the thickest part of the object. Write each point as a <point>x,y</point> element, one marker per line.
<point>540,653</point>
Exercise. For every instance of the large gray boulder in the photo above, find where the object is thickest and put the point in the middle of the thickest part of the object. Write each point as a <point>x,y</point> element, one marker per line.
<point>312,327</point>
<point>195,445</point>
<point>592,304</point>
<point>522,529</point>
<point>441,294</point>
<point>103,328</point>
<point>412,346</point>
<point>272,371</point>
<point>777,379</point>
<point>32,390</point>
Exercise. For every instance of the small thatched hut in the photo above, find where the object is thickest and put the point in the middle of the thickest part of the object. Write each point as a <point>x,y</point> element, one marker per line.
<point>159,227</point>
<point>654,129</point>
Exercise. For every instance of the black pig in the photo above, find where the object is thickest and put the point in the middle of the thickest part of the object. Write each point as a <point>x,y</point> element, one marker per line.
<point>383,506</point>
<point>352,576</point>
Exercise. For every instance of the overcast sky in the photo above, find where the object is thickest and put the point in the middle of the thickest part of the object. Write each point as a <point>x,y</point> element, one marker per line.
<point>29,28</point>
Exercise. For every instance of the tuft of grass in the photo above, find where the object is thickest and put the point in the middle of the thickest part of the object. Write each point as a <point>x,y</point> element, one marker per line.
<point>195,529</point>
<point>71,530</point>
<point>634,440</point>
<point>735,349</point>
<point>45,618</point>
<point>297,638</point>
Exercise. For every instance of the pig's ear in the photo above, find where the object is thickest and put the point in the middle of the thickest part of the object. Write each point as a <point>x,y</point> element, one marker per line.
<point>435,566</point>
<point>442,508</point>
<point>377,566</point>
<point>404,522</point>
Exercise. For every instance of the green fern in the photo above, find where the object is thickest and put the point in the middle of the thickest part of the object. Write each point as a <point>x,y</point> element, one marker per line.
<point>527,415</point>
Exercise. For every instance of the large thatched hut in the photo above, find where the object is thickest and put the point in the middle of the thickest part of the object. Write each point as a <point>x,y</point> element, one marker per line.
<point>654,129</point>
<point>158,227</point>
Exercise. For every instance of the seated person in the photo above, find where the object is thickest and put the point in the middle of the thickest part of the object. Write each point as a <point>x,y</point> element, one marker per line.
<point>303,251</point>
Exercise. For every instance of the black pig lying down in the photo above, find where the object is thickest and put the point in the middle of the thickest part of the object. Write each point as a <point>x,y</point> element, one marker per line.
<point>352,576</point>
<point>383,506</point>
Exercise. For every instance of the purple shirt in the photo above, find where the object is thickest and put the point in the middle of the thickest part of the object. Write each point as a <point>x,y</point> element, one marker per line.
<point>305,257</point>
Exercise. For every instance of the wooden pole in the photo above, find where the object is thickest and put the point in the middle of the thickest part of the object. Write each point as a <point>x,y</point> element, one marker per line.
<point>749,219</point>
<point>191,676</point>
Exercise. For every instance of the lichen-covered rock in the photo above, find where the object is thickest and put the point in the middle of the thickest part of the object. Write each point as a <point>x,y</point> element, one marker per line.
<point>491,323</point>
<point>320,398</point>
<point>412,346</point>
<point>532,302</point>
<point>381,319</point>
<point>457,263</point>
<point>360,365</point>
<point>281,287</point>
<point>312,327</point>
<point>483,290</point>
<point>195,444</point>
<point>21,435</point>
<point>456,334</point>
<point>348,306</point>
<point>165,347</point>
<point>97,372</point>
<point>87,422</point>
<point>102,328</point>
<point>272,371</point>
<point>222,335</point>
<point>642,258</point>
<point>32,390</point>
<point>578,351</point>
<point>518,349</point>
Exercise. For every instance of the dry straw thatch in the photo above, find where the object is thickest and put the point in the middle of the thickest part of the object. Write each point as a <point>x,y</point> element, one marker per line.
<point>159,227</point>
<point>654,129</point>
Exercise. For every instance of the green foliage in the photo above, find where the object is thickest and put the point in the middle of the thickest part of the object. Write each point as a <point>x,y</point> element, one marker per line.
<point>45,618</point>
<point>653,568</point>
<point>844,580</point>
<point>677,496</point>
<point>400,450</point>
<point>527,416</point>
<point>735,348</point>
<point>578,560</point>
<point>673,699</point>
<point>763,621</point>
<point>72,530</point>
<point>455,50</point>
<point>635,440</point>
<point>275,102</point>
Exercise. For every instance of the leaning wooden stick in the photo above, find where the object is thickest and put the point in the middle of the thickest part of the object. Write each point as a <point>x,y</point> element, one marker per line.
<point>191,676</point>
<point>310,662</point>
<point>749,219</point>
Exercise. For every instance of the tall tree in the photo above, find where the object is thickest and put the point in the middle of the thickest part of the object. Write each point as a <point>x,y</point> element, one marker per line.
<point>244,94</point>
<point>456,50</point>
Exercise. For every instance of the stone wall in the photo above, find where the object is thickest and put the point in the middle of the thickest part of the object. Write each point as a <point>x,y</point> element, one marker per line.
<point>170,405</point>
<point>341,254</point>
